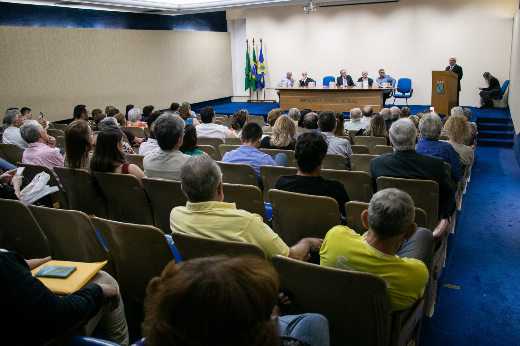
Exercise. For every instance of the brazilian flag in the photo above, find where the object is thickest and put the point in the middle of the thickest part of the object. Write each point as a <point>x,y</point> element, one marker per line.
<point>260,79</point>
<point>254,72</point>
<point>248,71</point>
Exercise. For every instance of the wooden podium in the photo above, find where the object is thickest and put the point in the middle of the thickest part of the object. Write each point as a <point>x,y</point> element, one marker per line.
<point>444,91</point>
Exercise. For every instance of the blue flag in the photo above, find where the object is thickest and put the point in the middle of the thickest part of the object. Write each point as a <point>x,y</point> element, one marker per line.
<point>260,79</point>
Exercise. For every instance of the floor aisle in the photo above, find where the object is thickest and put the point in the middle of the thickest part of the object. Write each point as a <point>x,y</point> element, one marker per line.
<point>484,260</point>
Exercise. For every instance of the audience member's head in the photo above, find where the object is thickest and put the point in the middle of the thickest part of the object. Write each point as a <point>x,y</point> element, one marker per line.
<point>310,121</point>
<point>174,107</point>
<point>79,141</point>
<point>128,107</point>
<point>109,151</point>
<point>252,134</point>
<point>273,115</point>
<point>311,149</point>
<point>26,113</point>
<point>430,126</point>
<point>189,142</point>
<point>327,121</point>
<point>302,117</point>
<point>32,132</point>
<point>147,110</point>
<point>108,108</point>
<point>14,118</point>
<point>457,129</point>
<point>134,115</point>
<point>395,112</point>
<point>355,115</point>
<point>340,120</point>
<point>377,127</point>
<point>467,113</point>
<point>386,114</point>
<point>169,131</point>
<point>151,122</point>
<point>112,112</point>
<point>391,214</point>
<point>80,112</point>
<point>231,299</point>
<point>98,115</point>
<point>405,112</point>
<point>108,122</point>
<point>207,115</point>
<point>294,114</point>
<point>120,118</point>
<point>201,179</point>
<point>419,115</point>
<point>403,135</point>
<point>184,112</point>
<point>284,131</point>
<point>415,119</point>
<point>457,111</point>
<point>367,111</point>
<point>240,119</point>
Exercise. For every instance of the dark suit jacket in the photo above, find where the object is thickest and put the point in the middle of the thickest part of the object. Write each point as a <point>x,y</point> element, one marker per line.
<point>409,164</point>
<point>457,69</point>
<point>370,81</point>
<point>306,82</point>
<point>339,81</point>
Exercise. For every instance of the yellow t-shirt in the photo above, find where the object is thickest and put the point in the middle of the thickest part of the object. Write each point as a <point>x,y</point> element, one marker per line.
<point>223,221</point>
<point>405,277</point>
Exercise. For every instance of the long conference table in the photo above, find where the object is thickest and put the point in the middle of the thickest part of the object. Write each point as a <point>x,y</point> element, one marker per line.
<point>338,99</point>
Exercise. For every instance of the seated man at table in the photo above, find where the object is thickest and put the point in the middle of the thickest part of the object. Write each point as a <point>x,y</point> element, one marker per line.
<point>385,79</point>
<point>208,128</point>
<point>287,79</point>
<point>311,149</point>
<point>327,124</point>
<point>305,81</point>
<point>344,80</point>
<point>367,82</point>
<point>392,248</point>
<point>207,215</point>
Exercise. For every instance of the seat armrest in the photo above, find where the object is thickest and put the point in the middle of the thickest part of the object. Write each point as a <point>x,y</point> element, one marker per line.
<point>411,92</point>
<point>439,230</point>
<point>406,324</point>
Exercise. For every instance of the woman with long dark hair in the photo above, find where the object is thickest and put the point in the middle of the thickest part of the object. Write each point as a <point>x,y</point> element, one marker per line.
<point>185,114</point>
<point>79,146</point>
<point>493,89</point>
<point>189,142</point>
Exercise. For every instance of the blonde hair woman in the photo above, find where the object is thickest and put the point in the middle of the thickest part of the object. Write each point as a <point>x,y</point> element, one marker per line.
<point>377,128</point>
<point>273,115</point>
<point>458,133</point>
<point>283,135</point>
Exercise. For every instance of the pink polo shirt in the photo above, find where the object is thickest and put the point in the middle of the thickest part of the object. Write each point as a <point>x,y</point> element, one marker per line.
<point>41,154</point>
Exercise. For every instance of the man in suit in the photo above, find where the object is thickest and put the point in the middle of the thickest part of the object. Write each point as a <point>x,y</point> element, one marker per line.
<point>453,67</point>
<point>367,82</point>
<point>344,80</point>
<point>406,163</point>
<point>305,81</point>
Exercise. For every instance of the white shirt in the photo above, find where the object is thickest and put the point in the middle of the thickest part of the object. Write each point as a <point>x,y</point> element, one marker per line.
<point>365,83</point>
<point>164,164</point>
<point>366,120</point>
<point>211,130</point>
<point>12,136</point>
<point>149,147</point>
<point>358,125</point>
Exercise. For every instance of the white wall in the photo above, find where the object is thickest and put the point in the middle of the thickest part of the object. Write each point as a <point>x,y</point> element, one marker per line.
<point>409,38</point>
<point>514,86</point>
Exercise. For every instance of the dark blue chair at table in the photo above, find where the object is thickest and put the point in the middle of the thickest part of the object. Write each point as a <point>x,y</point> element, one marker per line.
<point>327,80</point>
<point>404,87</point>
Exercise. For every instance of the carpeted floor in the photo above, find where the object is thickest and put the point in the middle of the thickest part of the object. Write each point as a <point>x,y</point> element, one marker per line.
<point>483,259</point>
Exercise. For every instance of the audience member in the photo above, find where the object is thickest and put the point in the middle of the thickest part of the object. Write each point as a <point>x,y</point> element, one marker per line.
<point>79,146</point>
<point>11,134</point>
<point>147,110</point>
<point>112,112</point>
<point>301,127</point>
<point>458,134</point>
<point>327,123</point>
<point>392,248</point>
<point>81,113</point>
<point>415,119</point>
<point>128,107</point>
<point>189,143</point>
<point>310,122</point>
<point>233,298</point>
<point>5,124</point>
<point>41,147</point>
<point>404,113</point>
<point>273,115</point>
<point>294,114</point>
<point>430,127</point>
<point>249,154</point>
<point>108,155</point>
<point>427,111</point>
<point>407,163</point>
<point>472,128</point>
<point>367,114</point>
<point>30,304</point>
<point>395,111</point>
<point>174,107</point>
<point>239,120</point>
<point>150,146</point>
<point>339,130</point>
<point>208,128</point>
<point>192,113</point>
<point>387,115</point>
<point>10,185</point>
<point>207,215</point>
<point>133,117</point>
<point>185,114</point>
<point>133,139</point>
<point>167,161</point>
<point>111,122</point>
<point>98,115</point>
<point>283,135</point>
<point>355,123</point>
<point>310,152</point>
<point>419,115</point>
<point>26,113</point>
<point>108,109</point>
<point>377,128</point>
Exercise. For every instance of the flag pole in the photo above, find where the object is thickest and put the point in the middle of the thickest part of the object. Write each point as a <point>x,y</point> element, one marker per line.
<point>264,74</point>
<point>250,95</point>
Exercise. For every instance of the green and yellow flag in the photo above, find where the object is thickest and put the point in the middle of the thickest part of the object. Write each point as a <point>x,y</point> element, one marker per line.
<point>248,71</point>
<point>254,72</point>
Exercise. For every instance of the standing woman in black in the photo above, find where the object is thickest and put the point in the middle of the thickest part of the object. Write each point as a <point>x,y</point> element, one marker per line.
<point>493,89</point>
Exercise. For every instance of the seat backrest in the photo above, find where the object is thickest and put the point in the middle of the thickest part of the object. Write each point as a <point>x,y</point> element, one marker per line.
<point>12,153</point>
<point>164,195</point>
<point>191,247</point>
<point>353,212</point>
<point>55,133</point>
<point>136,160</point>
<point>383,149</point>
<point>354,303</point>
<point>361,162</point>
<point>126,200</point>
<point>211,151</point>
<point>404,85</point>
<point>291,160</point>
<point>297,216</point>
<point>370,142</point>
<point>214,142</point>
<point>352,134</point>
<point>224,148</point>
<point>60,141</point>
<point>238,173</point>
<point>504,86</point>
<point>360,149</point>
<point>83,191</point>
<point>425,195</point>
<point>447,168</point>
<point>246,197</point>
<point>334,161</point>
<point>61,127</point>
<point>347,137</point>
<point>233,141</point>
<point>259,119</point>
<point>60,196</point>
<point>140,252</point>
<point>72,236</point>
<point>21,232</point>
<point>137,131</point>
<point>327,80</point>
<point>357,184</point>
<point>270,175</point>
